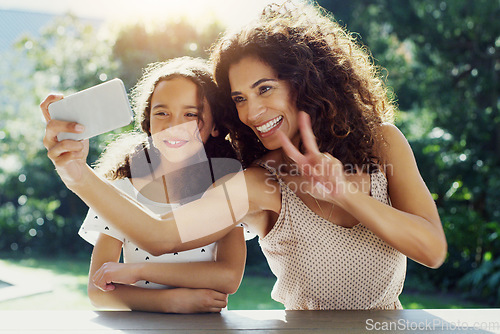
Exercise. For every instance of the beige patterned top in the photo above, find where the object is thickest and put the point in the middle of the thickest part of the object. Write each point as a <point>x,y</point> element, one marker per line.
<point>323,266</point>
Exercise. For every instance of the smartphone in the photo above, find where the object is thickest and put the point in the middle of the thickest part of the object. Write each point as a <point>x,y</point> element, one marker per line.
<point>100,109</point>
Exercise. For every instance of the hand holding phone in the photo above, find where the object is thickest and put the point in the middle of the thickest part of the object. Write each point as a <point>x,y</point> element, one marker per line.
<point>100,109</point>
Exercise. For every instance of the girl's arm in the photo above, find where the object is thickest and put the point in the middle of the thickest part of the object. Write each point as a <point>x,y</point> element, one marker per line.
<point>223,275</point>
<point>411,224</point>
<point>125,297</point>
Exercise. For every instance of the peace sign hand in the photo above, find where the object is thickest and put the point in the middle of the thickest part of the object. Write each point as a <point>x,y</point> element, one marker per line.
<point>325,172</point>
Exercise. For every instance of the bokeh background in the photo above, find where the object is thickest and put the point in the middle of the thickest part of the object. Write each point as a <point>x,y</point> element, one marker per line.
<point>441,60</point>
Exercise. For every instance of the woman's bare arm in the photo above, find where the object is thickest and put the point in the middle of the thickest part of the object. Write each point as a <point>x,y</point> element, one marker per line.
<point>411,224</point>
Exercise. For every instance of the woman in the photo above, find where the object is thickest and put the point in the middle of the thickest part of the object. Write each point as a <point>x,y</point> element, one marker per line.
<point>297,59</point>
<point>164,164</point>
<point>338,204</point>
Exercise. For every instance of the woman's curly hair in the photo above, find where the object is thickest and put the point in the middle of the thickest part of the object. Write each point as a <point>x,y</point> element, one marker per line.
<point>331,76</point>
<point>115,161</point>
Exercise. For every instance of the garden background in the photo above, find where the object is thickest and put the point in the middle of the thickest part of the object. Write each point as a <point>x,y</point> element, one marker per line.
<point>442,61</point>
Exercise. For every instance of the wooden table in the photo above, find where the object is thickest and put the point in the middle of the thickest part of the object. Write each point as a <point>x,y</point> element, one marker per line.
<point>272,321</point>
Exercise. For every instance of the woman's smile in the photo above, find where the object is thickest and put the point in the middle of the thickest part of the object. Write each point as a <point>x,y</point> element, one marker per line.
<point>270,127</point>
<point>264,102</point>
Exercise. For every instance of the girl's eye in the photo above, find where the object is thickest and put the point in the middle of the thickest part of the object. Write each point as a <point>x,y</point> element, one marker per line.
<point>160,113</point>
<point>264,89</point>
<point>191,114</point>
<point>238,99</point>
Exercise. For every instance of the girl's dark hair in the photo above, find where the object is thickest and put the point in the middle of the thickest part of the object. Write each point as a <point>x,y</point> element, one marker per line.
<point>115,161</point>
<point>332,79</point>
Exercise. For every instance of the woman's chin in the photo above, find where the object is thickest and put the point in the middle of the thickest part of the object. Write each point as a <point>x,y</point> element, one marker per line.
<point>271,143</point>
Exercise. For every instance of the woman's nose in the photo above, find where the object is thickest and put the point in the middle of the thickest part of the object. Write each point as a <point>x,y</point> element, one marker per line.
<point>255,110</point>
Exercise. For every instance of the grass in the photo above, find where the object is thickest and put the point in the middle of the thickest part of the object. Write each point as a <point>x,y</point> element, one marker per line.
<point>418,300</point>
<point>254,294</point>
<point>68,278</point>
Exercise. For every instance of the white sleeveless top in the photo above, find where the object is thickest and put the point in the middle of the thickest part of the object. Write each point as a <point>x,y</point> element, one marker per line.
<point>323,266</point>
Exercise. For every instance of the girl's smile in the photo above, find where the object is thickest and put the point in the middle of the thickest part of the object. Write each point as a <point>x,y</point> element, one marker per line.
<point>175,143</point>
<point>176,125</point>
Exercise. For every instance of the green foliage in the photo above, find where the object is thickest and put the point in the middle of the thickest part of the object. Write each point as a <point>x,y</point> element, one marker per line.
<point>442,60</point>
<point>135,46</point>
<point>426,300</point>
<point>484,281</point>
<point>37,212</point>
<point>254,294</point>
<point>69,55</point>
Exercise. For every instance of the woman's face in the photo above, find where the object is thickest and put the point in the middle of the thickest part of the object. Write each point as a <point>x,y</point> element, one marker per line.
<point>176,128</point>
<point>264,102</point>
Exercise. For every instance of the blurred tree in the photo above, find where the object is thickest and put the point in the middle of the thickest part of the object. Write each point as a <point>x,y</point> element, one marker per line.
<point>37,212</point>
<point>443,61</point>
<point>136,47</point>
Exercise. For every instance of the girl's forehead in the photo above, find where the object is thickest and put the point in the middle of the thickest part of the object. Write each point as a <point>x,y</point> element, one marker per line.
<point>176,88</point>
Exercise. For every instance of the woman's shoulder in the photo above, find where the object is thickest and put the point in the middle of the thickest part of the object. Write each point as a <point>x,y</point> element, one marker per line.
<point>263,186</point>
<point>256,173</point>
<point>392,140</point>
<point>264,192</point>
<point>390,132</point>
<point>397,154</point>
<point>264,167</point>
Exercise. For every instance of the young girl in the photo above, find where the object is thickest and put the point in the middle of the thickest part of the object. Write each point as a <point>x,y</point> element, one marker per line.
<point>335,196</point>
<point>164,166</point>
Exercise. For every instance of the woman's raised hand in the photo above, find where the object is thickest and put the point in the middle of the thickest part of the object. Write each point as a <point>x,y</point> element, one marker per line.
<point>68,156</point>
<point>325,172</point>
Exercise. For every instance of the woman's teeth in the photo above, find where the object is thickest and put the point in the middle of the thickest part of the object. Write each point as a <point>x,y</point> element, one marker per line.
<point>269,125</point>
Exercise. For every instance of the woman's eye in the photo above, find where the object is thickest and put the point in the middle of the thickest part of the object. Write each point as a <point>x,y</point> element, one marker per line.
<point>238,99</point>
<point>264,89</point>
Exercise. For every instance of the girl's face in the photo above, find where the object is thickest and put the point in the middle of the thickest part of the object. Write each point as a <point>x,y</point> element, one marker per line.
<point>264,102</point>
<point>176,128</point>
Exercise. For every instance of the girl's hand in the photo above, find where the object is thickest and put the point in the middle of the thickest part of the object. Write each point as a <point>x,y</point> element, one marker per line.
<point>183,300</point>
<point>68,156</point>
<point>325,173</point>
<point>113,272</point>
